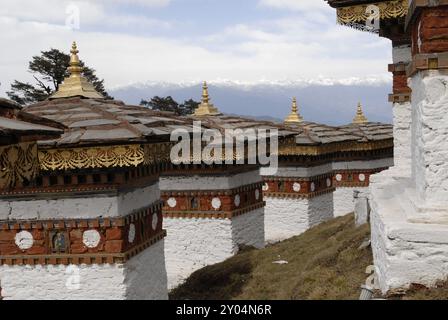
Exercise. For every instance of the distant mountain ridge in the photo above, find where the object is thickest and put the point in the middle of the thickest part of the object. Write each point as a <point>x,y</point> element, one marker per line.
<point>333,103</point>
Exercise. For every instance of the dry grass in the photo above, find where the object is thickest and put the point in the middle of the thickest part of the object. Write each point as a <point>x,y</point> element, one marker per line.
<point>323,263</point>
<point>417,292</point>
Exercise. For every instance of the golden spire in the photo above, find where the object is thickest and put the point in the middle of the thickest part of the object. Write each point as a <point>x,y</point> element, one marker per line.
<point>294,116</point>
<point>76,85</point>
<point>360,118</point>
<point>206,108</point>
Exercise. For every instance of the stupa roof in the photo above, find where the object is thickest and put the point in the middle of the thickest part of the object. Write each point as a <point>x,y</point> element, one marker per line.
<point>16,125</point>
<point>344,3</point>
<point>99,122</point>
<point>370,131</point>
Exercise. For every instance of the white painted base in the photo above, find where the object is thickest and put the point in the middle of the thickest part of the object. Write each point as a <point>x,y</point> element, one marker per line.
<point>85,207</point>
<point>192,244</point>
<point>404,252</point>
<point>142,277</point>
<point>344,202</point>
<point>362,207</point>
<point>286,217</point>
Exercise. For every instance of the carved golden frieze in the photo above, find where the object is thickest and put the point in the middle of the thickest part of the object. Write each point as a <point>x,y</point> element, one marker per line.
<point>360,14</point>
<point>103,157</point>
<point>334,147</point>
<point>18,163</point>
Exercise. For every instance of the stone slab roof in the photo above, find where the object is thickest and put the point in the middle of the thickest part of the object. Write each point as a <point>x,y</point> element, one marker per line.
<point>347,3</point>
<point>371,131</point>
<point>100,121</point>
<point>16,125</point>
<point>8,104</point>
<point>310,133</point>
<point>91,122</point>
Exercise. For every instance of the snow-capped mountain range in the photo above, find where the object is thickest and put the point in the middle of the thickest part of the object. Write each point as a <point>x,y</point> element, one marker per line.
<point>321,100</point>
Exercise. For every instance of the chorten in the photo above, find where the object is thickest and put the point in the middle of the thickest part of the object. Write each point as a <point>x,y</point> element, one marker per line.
<point>76,85</point>
<point>294,116</point>
<point>359,118</point>
<point>206,108</point>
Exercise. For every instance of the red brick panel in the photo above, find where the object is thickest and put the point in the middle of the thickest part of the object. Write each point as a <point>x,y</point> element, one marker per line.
<point>431,31</point>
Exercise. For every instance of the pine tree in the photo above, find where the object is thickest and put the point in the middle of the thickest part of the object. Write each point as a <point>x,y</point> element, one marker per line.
<point>170,105</point>
<point>49,70</point>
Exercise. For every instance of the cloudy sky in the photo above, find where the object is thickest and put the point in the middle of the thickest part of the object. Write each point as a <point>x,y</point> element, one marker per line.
<point>132,41</point>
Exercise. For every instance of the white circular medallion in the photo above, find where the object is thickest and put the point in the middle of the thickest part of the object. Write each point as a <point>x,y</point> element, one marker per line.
<point>216,203</point>
<point>155,221</point>
<point>257,194</point>
<point>131,234</point>
<point>339,177</point>
<point>265,187</point>
<point>328,182</point>
<point>296,187</point>
<point>237,200</point>
<point>91,238</point>
<point>313,187</point>
<point>362,177</point>
<point>24,240</point>
<point>172,202</point>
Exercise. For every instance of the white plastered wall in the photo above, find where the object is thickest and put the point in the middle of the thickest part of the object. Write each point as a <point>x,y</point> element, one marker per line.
<point>408,213</point>
<point>402,134</point>
<point>208,182</point>
<point>344,202</point>
<point>404,252</point>
<point>85,207</point>
<point>192,244</point>
<point>289,217</point>
<point>142,277</point>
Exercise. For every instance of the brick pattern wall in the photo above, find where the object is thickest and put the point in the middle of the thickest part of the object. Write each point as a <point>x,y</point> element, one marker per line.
<point>62,242</point>
<point>354,178</point>
<point>213,203</point>
<point>430,32</point>
<point>298,187</point>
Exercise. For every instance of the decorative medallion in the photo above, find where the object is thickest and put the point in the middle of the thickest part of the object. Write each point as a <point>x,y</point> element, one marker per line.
<point>339,177</point>
<point>91,238</point>
<point>24,240</point>
<point>362,177</point>
<point>172,202</point>
<point>328,182</point>
<point>216,203</point>
<point>237,200</point>
<point>313,187</point>
<point>257,194</point>
<point>296,187</point>
<point>155,221</point>
<point>265,187</point>
<point>131,233</point>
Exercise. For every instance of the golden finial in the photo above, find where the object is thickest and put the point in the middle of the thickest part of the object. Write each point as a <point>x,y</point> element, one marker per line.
<point>75,85</point>
<point>205,96</point>
<point>206,108</point>
<point>294,116</point>
<point>74,68</point>
<point>360,118</point>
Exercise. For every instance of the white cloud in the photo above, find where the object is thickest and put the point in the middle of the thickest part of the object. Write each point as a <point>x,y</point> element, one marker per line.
<point>148,3</point>
<point>295,4</point>
<point>301,46</point>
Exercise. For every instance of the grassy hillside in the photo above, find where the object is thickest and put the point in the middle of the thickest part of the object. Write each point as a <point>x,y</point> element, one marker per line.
<point>323,263</point>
